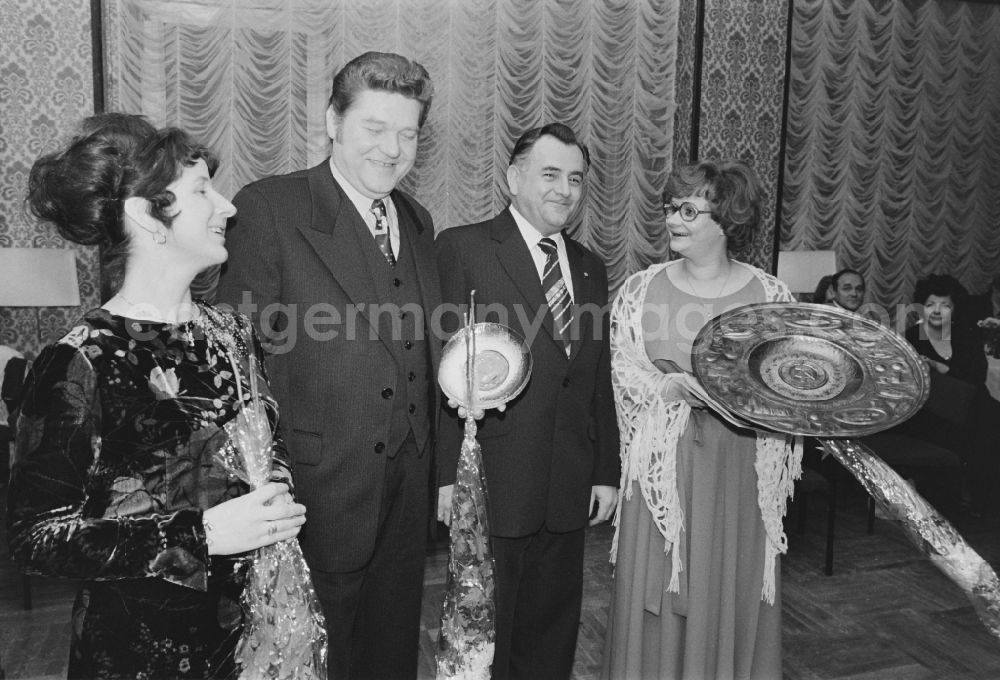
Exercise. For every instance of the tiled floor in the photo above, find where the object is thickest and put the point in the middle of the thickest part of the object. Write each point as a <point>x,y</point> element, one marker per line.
<point>886,613</point>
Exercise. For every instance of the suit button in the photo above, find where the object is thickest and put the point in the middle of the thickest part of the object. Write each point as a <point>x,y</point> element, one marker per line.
<point>565,382</point>
<point>387,393</point>
<point>413,408</point>
<point>397,283</point>
<point>412,376</point>
<point>407,344</point>
<point>379,447</point>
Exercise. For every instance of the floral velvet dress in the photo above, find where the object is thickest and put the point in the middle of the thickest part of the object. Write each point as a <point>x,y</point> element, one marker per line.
<point>121,446</point>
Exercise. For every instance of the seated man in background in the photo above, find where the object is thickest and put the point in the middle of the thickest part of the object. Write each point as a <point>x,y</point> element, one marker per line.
<point>848,289</point>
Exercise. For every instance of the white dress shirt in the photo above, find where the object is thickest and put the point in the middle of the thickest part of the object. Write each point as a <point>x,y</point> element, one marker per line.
<point>364,206</point>
<point>531,237</point>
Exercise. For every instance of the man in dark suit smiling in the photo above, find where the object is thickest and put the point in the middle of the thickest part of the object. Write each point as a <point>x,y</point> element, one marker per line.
<point>336,266</point>
<point>552,456</point>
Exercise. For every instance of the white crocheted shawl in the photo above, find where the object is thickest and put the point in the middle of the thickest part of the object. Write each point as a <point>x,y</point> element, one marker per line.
<point>650,427</point>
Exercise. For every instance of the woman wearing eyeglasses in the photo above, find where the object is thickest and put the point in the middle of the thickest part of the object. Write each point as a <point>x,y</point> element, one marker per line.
<point>696,590</point>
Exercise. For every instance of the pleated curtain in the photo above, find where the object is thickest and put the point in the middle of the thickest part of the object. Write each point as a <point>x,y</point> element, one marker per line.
<point>893,141</point>
<point>893,115</point>
<point>251,79</point>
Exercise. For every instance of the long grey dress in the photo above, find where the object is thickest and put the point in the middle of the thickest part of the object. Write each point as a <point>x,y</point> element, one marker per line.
<point>717,626</point>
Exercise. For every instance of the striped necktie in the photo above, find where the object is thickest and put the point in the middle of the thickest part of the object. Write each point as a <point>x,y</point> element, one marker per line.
<point>382,231</point>
<point>556,294</point>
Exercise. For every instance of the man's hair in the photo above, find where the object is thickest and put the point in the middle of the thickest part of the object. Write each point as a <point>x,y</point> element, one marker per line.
<point>385,72</point>
<point>523,146</point>
<point>835,281</point>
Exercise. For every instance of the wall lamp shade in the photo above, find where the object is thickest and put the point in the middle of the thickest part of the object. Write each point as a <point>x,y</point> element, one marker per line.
<point>38,277</point>
<point>802,269</point>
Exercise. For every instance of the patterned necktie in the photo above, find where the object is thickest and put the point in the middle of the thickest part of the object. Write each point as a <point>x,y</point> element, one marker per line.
<point>382,231</point>
<point>556,294</point>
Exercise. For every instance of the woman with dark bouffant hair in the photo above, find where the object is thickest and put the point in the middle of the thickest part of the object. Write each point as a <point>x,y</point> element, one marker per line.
<point>118,475</point>
<point>696,589</point>
<point>87,221</point>
<point>942,336</point>
<point>951,346</point>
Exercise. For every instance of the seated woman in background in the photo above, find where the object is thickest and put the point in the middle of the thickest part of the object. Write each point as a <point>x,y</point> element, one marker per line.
<point>117,476</point>
<point>950,346</point>
<point>953,347</point>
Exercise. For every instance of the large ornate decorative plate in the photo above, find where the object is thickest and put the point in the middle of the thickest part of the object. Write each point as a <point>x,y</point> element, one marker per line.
<point>502,365</point>
<point>809,369</point>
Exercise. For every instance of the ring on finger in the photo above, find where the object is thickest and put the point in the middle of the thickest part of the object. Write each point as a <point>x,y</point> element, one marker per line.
<point>272,529</point>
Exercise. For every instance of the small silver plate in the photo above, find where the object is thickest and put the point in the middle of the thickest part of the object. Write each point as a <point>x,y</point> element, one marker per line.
<point>502,365</point>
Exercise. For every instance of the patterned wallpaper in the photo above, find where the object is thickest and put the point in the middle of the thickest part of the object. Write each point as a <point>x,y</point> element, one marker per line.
<point>46,87</point>
<point>742,95</point>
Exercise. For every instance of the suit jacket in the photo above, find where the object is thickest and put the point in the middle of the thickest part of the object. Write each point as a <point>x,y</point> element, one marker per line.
<point>559,437</point>
<point>296,254</point>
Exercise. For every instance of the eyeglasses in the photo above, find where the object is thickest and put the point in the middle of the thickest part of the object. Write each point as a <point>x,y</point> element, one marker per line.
<point>689,211</point>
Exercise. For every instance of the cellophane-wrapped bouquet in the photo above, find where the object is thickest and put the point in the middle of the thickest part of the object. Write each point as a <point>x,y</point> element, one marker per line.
<point>927,529</point>
<point>468,632</point>
<point>284,634</point>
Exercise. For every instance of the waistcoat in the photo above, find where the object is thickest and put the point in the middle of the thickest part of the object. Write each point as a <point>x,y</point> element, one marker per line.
<point>400,309</point>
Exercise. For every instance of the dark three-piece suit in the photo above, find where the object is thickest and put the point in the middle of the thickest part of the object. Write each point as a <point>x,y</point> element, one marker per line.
<point>353,368</point>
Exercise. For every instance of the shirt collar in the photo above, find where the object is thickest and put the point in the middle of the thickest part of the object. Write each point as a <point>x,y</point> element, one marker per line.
<point>531,235</point>
<point>360,201</point>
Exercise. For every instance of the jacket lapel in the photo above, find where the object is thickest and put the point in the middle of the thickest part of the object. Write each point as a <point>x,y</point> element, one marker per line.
<point>516,260</point>
<point>583,293</point>
<point>333,235</point>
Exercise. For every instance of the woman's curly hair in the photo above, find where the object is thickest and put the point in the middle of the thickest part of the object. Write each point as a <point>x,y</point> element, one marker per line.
<point>82,188</point>
<point>732,189</point>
